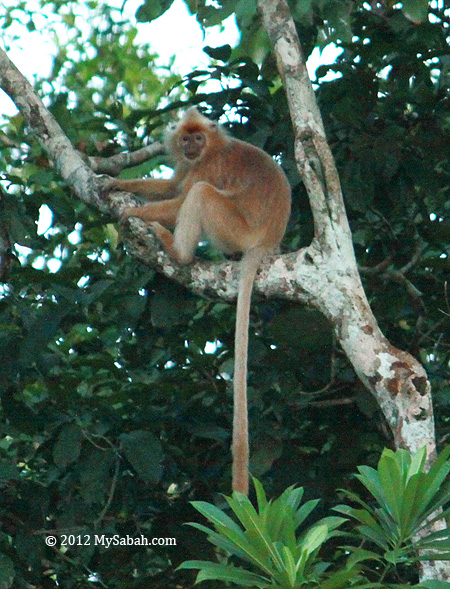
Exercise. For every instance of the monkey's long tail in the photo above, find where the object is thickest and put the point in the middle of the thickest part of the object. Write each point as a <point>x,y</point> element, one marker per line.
<point>249,267</point>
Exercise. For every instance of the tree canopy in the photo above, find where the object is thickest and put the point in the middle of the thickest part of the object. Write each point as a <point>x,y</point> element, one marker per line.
<point>115,381</point>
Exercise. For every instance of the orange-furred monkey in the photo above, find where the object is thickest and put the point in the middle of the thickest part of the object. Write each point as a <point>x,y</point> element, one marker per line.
<point>239,198</point>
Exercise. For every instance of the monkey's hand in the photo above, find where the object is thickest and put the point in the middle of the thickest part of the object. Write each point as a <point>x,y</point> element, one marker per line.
<point>106,184</point>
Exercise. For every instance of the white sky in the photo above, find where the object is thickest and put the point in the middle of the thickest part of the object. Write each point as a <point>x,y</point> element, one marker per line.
<point>175,33</point>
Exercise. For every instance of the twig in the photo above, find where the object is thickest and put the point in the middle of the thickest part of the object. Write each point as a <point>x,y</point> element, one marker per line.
<point>110,495</point>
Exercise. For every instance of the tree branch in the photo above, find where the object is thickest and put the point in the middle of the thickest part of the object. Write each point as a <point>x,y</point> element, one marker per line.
<point>114,164</point>
<point>397,380</point>
<point>60,151</point>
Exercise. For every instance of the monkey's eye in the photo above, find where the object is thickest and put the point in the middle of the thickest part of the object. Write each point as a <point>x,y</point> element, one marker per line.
<point>199,137</point>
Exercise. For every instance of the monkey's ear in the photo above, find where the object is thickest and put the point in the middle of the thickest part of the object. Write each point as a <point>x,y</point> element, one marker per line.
<point>169,133</point>
<point>192,110</point>
<point>213,126</point>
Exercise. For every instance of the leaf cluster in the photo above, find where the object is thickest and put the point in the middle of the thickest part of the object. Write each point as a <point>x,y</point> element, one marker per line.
<point>266,540</point>
<point>407,501</point>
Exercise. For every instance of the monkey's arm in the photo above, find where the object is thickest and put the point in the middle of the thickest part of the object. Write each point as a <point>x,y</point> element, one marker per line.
<point>150,188</point>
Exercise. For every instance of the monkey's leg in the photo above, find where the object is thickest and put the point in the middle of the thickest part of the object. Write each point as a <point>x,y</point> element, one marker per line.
<point>205,209</point>
<point>164,212</point>
<point>151,188</point>
<point>182,243</point>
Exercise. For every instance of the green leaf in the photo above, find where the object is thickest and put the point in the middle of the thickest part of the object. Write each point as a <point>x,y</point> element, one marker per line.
<point>392,482</point>
<point>245,12</point>
<point>222,53</point>
<point>256,531</point>
<point>95,474</point>
<point>417,462</point>
<point>244,510</point>
<point>216,516</point>
<point>410,506</point>
<point>435,509</point>
<point>7,572</point>
<point>290,565</point>
<point>228,528</point>
<point>375,535</point>
<point>260,495</point>
<point>225,542</point>
<point>68,445</point>
<point>435,477</point>
<point>170,305</point>
<point>8,472</point>
<point>360,555</point>
<point>331,522</point>
<point>291,496</point>
<point>303,512</point>
<point>369,478</point>
<point>192,5</point>
<point>367,520</point>
<point>144,452</point>
<point>315,538</point>
<point>210,571</point>
<point>340,580</point>
<point>439,540</point>
<point>416,10</point>
<point>279,517</point>
<point>152,9</point>
<point>356,499</point>
<point>41,328</point>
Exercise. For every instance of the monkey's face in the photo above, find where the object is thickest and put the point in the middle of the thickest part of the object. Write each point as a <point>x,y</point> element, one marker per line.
<point>192,144</point>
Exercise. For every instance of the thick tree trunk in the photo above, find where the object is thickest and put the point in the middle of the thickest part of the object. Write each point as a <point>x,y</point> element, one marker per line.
<point>327,270</point>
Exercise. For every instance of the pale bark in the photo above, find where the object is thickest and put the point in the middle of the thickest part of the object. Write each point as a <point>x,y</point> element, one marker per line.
<point>327,269</point>
<point>114,164</point>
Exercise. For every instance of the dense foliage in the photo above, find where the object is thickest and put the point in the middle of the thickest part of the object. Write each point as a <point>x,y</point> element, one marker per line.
<point>114,382</point>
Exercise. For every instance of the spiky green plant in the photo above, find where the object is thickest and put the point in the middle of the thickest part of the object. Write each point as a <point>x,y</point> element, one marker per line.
<point>408,501</point>
<point>394,530</point>
<point>266,541</point>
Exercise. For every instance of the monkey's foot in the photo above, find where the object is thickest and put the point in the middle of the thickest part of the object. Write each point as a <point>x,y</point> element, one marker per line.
<point>164,236</point>
<point>129,212</point>
<point>166,239</point>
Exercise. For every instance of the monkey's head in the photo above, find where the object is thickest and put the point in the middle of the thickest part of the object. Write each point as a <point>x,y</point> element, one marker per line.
<point>193,136</point>
<point>192,141</point>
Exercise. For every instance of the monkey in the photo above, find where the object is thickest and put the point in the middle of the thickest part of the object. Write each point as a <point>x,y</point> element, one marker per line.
<point>239,198</point>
